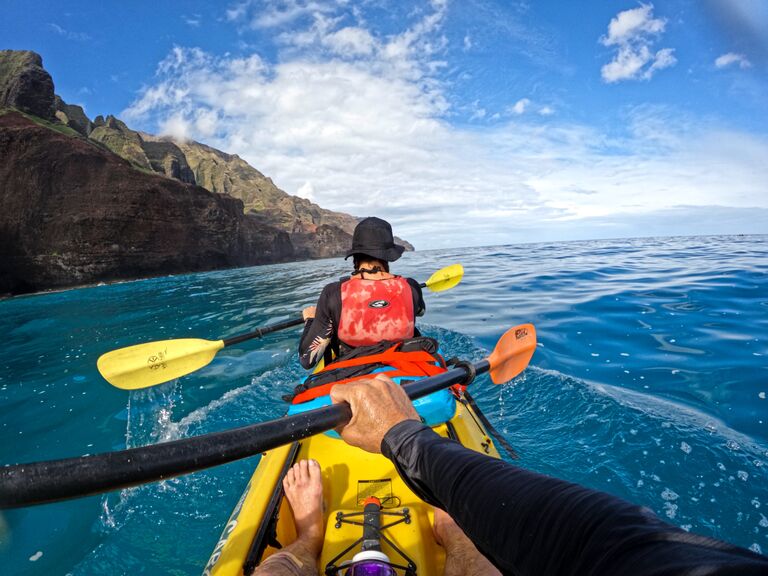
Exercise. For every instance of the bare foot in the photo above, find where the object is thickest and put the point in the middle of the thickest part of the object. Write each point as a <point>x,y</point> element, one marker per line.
<point>303,487</point>
<point>461,556</point>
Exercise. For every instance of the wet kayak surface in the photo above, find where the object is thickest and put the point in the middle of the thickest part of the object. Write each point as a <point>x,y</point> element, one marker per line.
<point>649,381</point>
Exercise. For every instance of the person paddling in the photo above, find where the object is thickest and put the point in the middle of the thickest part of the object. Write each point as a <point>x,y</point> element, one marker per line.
<point>369,307</point>
<point>356,313</point>
<point>499,518</point>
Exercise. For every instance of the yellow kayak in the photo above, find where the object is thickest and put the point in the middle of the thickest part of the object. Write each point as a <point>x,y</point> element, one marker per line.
<point>262,519</point>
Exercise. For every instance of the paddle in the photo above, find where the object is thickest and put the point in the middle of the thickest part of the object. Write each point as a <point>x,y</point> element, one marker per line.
<point>152,363</point>
<point>41,482</point>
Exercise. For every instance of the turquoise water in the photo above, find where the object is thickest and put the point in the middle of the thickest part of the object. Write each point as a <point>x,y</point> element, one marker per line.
<point>649,382</point>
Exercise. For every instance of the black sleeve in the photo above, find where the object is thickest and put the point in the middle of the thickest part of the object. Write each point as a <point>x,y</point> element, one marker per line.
<point>320,332</point>
<point>419,308</point>
<point>529,524</point>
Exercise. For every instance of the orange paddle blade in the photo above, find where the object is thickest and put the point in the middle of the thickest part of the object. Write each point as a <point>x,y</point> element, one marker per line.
<point>512,353</point>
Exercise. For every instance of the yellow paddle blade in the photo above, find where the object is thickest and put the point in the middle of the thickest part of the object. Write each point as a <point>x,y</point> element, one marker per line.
<point>512,353</point>
<point>145,365</point>
<point>446,278</point>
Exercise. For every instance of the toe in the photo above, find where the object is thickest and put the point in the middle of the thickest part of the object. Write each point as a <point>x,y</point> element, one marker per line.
<point>315,481</point>
<point>303,470</point>
<point>289,479</point>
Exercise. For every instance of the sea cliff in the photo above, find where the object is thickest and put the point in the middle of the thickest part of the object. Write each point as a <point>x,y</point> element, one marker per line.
<point>93,200</point>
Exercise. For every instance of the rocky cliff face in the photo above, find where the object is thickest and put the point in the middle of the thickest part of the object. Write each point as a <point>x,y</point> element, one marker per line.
<point>229,174</point>
<point>166,158</point>
<point>74,213</point>
<point>25,85</point>
<point>86,200</point>
<point>123,141</point>
<point>73,116</point>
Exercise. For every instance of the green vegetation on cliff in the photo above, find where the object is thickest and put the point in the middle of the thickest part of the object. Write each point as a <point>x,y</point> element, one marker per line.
<point>123,141</point>
<point>25,85</point>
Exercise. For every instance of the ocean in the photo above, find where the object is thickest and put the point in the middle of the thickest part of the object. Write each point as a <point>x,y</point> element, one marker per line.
<point>649,382</point>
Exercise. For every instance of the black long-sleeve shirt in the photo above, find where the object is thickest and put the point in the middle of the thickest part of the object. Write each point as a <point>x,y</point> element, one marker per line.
<point>530,524</point>
<point>320,334</point>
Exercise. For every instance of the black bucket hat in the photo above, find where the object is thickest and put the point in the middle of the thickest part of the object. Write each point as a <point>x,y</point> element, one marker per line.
<point>373,237</point>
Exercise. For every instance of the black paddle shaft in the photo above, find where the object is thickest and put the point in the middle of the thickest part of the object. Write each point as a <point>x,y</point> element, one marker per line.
<point>259,332</point>
<point>42,482</point>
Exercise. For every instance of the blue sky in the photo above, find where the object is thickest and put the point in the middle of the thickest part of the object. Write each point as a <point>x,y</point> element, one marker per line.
<point>462,122</point>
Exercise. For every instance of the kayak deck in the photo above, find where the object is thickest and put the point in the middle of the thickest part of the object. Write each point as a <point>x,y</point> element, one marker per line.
<point>263,516</point>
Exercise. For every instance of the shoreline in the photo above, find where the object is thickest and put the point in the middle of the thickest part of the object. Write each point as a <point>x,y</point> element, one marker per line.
<point>100,283</point>
<point>8,296</point>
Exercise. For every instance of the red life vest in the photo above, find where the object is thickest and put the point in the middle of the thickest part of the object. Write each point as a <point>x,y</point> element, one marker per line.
<point>375,310</point>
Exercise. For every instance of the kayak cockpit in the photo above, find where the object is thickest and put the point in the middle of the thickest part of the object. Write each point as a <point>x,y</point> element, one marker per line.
<point>262,519</point>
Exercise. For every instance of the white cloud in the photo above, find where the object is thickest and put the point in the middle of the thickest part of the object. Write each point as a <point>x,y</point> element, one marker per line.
<point>664,59</point>
<point>68,34</point>
<point>238,11</point>
<point>351,41</point>
<point>348,42</point>
<point>306,190</point>
<point>277,13</point>
<point>633,33</point>
<point>176,127</point>
<point>368,132</point>
<point>478,113</point>
<point>205,123</point>
<point>731,59</point>
<point>467,43</point>
<point>524,105</point>
<point>194,20</point>
<point>520,106</point>
<point>627,26</point>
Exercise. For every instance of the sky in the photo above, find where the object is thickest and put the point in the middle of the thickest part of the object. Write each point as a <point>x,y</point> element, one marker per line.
<point>462,122</point>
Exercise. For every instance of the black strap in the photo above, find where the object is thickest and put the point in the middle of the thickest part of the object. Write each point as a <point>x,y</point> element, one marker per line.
<point>468,366</point>
<point>329,374</point>
<point>373,270</point>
